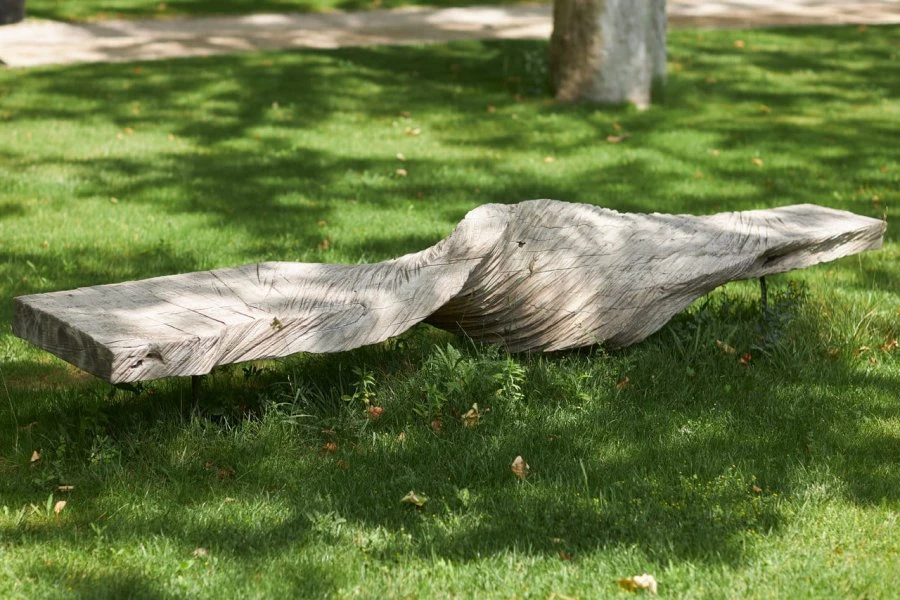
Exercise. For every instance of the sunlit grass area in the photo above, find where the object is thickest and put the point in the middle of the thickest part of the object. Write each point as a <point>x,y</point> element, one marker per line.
<point>777,475</point>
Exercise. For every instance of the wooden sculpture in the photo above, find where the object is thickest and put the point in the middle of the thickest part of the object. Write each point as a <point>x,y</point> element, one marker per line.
<point>540,275</point>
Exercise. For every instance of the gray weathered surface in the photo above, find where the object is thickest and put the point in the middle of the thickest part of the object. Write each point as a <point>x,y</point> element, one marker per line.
<point>540,275</point>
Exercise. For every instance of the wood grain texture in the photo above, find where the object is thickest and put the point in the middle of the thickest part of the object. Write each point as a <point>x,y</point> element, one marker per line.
<point>539,275</point>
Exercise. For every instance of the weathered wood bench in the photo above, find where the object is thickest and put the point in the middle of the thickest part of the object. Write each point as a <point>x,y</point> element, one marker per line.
<point>540,275</point>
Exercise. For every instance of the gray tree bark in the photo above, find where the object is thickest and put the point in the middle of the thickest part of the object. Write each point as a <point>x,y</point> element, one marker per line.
<point>608,51</point>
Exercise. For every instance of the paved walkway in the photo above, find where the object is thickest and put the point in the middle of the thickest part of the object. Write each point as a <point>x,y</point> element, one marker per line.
<point>35,42</point>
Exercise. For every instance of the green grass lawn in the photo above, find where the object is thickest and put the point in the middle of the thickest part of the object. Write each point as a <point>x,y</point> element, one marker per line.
<point>89,10</point>
<point>776,478</point>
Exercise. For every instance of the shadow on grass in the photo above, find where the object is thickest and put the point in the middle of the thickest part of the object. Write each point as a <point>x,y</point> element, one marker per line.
<point>653,466</point>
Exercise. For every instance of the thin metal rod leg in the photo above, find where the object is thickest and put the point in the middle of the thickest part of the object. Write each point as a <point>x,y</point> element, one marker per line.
<point>196,380</point>
<point>763,295</point>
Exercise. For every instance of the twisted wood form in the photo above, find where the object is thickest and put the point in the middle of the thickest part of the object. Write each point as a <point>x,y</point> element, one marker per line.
<point>539,275</point>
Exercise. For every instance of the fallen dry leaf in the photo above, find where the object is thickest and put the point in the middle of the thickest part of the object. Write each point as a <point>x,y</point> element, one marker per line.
<point>491,108</point>
<point>520,468</point>
<point>415,499</point>
<point>623,383</point>
<point>756,488</point>
<point>65,488</point>
<point>59,506</point>
<point>739,43</point>
<point>757,161</point>
<point>329,447</point>
<point>401,156</point>
<point>200,553</point>
<point>401,173</point>
<point>374,412</point>
<point>225,473</point>
<point>325,244</point>
<point>437,425</point>
<point>644,582</point>
<point>725,347</point>
<point>405,114</point>
<point>472,416</point>
<point>549,159</point>
<point>615,139</point>
<point>412,131</point>
<point>889,345</point>
<point>565,555</point>
<point>35,456</point>
<point>745,359</point>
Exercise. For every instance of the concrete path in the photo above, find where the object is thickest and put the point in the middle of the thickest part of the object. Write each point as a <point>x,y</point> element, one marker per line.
<point>35,42</point>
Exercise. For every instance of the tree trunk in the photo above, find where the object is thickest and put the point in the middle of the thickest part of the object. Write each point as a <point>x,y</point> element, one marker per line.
<point>608,51</point>
<point>11,11</point>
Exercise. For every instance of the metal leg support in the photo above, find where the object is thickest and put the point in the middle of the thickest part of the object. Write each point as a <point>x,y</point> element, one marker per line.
<point>196,380</point>
<point>763,295</point>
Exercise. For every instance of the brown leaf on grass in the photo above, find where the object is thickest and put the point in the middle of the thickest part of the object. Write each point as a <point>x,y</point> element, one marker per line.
<point>491,108</point>
<point>756,489</point>
<point>325,244</point>
<point>225,473</point>
<point>65,488</point>
<point>329,447</point>
<point>645,582</point>
<point>890,344</point>
<point>623,383</point>
<point>417,500</point>
<point>565,555</point>
<point>757,161</point>
<point>59,506</point>
<point>200,553</point>
<point>520,468</point>
<point>739,44</point>
<point>412,131</point>
<point>471,417</point>
<point>35,457</point>
<point>724,347</point>
<point>745,359</point>
<point>401,172</point>
<point>405,114</point>
<point>373,413</point>
<point>549,159</point>
<point>437,425</point>
<point>615,139</point>
<point>401,157</point>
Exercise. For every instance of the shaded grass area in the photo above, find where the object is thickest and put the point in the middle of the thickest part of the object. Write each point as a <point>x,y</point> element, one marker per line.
<point>92,10</point>
<point>775,477</point>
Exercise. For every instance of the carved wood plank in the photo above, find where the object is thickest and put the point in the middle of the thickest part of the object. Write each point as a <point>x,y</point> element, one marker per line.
<point>539,275</point>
